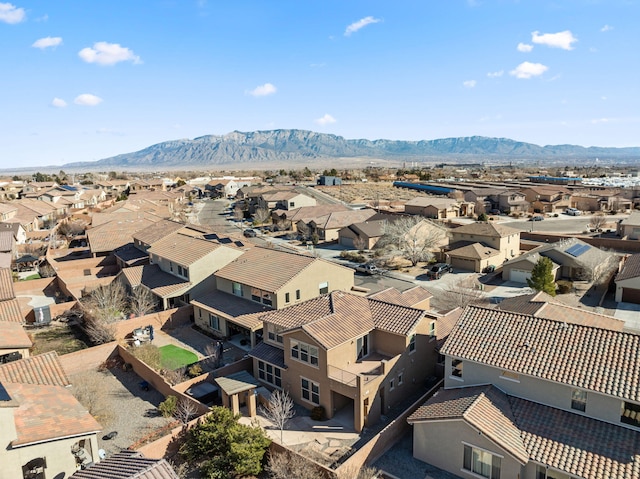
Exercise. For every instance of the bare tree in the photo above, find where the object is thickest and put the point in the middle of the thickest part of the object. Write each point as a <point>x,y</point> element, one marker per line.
<point>598,220</point>
<point>186,410</point>
<point>92,391</point>
<point>303,230</point>
<point>71,228</point>
<point>238,213</point>
<point>142,301</point>
<point>283,225</point>
<point>460,295</point>
<point>359,242</point>
<point>287,465</point>
<point>279,410</point>
<point>412,237</point>
<point>261,216</point>
<point>107,302</point>
<point>99,331</point>
<point>355,472</point>
<point>480,207</point>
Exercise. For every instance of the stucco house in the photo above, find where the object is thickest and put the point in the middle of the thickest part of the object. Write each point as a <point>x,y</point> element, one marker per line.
<point>548,199</point>
<point>629,228</point>
<point>437,208</point>
<point>41,423</point>
<point>346,351</point>
<point>628,281</point>
<point>533,398</point>
<point>260,280</point>
<point>328,226</point>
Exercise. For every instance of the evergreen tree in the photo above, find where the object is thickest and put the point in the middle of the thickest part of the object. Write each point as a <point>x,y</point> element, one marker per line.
<point>542,277</point>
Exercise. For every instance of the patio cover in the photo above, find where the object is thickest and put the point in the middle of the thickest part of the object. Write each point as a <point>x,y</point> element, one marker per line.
<point>237,383</point>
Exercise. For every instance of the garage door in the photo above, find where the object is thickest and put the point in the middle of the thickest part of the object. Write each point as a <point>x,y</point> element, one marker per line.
<point>519,275</point>
<point>463,263</point>
<point>631,295</point>
<point>346,242</point>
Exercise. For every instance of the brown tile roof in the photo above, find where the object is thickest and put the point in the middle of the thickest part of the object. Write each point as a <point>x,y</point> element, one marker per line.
<point>632,220</point>
<point>48,412</point>
<point>128,465</point>
<point>355,315</point>
<point>482,228</point>
<point>160,283</point>
<point>6,241</point>
<point>526,303</point>
<point>10,311</point>
<point>631,268</point>
<point>6,284</point>
<point>409,297</point>
<point>306,213</point>
<point>474,251</point>
<point>43,369</point>
<point>424,201</point>
<point>157,231</point>
<point>7,208</point>
<point>340,219</point>
<point>585,357</point>
<point>13,335</point>
<point>568,442</point>
<point>484,407</point>
<point>269,354</point>
<point>114,234</point>
<point>445,323</point>
<point>267,269</point>
<point>183,249</point>
<point>35,206</point>
<point>244,312</point>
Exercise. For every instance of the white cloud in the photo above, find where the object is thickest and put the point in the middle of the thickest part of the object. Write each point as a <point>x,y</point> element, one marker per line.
<point>11,14</point>
<point>524,47</point>
<point>104,53</point>
<point>355,26</point>
<point>58,103</point>
<point>528,70</point>
<point>606,28</point>
<point>87,99</point>
<point>47,42</point>
<point>325,120</point>
<point>469,83</point>
<point>263,90</point>
<point>495,74</point>
<point>562,40</point>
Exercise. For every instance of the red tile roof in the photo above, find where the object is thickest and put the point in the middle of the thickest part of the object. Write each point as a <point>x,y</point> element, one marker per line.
<point>410,297</point>
<point>586,357</point>
<point>6,284</point>
<point>128,465</point>
<point>13,335</point>
<point>10,311</point>
<point>48,412</point>
<point>43,369</point>
<point>631,268</point>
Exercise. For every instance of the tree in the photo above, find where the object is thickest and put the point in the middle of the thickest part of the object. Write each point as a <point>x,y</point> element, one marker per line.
<point>223,447</point>
<point>104,306</point>
<point>359,243</point>
<point>412,237</point>
<point>186,410</point>
<point>261,215</point>
<point>597,221</point>
<point>303,230</point>
<point>279,410</point>
<point>168,406</point>
<point>142,301</point>
<point>460,295</point>
<point>542,276</point>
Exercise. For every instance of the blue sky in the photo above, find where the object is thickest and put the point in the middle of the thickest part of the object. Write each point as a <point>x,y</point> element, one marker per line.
<point>83,81</point>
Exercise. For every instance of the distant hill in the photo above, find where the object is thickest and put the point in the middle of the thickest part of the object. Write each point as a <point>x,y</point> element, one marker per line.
<point>291,147</point>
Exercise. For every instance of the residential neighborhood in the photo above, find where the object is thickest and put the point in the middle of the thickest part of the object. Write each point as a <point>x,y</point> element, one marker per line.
<point>436,324</point>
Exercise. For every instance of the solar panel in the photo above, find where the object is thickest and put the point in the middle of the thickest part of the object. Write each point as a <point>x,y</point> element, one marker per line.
<point>578,249</point>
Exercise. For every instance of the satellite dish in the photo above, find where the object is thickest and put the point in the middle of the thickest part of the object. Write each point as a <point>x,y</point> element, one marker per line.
<point>102,453</point>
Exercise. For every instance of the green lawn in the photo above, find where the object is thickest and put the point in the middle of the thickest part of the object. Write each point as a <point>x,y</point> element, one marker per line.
<point>173,357</point>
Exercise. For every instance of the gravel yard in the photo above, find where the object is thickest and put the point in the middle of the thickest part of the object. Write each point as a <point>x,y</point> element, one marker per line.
<point>118,402</point>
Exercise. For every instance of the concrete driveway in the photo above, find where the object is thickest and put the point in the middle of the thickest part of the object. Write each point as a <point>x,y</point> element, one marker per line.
<point>630,314</point>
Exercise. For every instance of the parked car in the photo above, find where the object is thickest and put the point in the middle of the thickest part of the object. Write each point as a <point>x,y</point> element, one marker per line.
<point>573,211</point>
<point>250,233</point>
<point>536,218</point>
<point>437,270</point>
<point>368,268</point>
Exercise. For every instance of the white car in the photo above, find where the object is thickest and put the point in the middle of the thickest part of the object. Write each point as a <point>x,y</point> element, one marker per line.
<point>573,211</point>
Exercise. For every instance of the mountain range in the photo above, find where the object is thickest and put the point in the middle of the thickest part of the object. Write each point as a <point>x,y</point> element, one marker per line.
<point>294,147</point>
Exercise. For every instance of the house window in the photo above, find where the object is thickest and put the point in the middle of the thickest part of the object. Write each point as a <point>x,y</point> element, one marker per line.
<point>297,294</point>
<point>481,462</point>
<point>171,266</point>
<point>432,329</point>
<point>237,289</point>
<point>323,287</point>
<point>214,322</point>
<point>456,368</point>
<point>362,346</point>
<point>292,204</point>
<point>270,373</point>
<point>630,414</point>
<point>310,391</point>
<point>392,385</point>
<point>412,343</point>
<point>287,297</point>
<point>273,333</point>
<point>579,400</point>
<point>304,352</point>
<point>400,379</point>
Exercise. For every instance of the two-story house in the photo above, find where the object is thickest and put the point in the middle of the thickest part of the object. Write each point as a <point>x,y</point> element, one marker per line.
<point>548,199</point>
<point>475,246</point>
<point>437,208</point>
<point>284,200</point>
<point>260,280</point>
<point>181,268</point>
<point>533,398</point>
<point>512,202</point>
<point>41,424</point>
<point>346,351</point>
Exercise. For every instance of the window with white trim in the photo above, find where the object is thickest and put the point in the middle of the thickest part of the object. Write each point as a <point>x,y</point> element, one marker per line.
<point>324,287</point>
<point>273,333</point>
<point>297,294</point>
<point>579,400</point>
<point>481,462</point>
<point>432,329</point>
<point>310,391</point>
<point>287,297</point>
<point>270,373</point>
<point>412,343</point>
<point>392,385</point>
<point>214,322</point>
<point>237,289</point>
<point>304,352</point>
<point>456,368</point>
<point>400,379</point>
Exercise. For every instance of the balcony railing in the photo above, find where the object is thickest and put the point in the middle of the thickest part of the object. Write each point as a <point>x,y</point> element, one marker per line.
<point>350,378</point>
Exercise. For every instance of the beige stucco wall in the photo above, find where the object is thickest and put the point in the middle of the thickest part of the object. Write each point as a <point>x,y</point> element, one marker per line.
<point>441,443</point>
<point>599,406</point>
<point>60,461</point>
<point>631,283</point>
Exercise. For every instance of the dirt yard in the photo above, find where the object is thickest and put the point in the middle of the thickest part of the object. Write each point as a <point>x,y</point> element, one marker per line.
<point>59,337</point>
<point>369,192</point>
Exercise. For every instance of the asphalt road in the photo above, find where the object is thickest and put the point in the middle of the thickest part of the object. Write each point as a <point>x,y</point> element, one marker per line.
<point>561,224</point>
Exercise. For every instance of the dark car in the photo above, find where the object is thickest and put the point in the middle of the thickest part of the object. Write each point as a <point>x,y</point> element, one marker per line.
<point>437,270</point>
<point>250,233</point>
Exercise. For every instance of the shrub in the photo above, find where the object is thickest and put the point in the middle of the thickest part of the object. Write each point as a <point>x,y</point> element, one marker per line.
<point>195,370</point>
<point>168,406</point>
<point>564,286</point>
<point>318,413</point>
<point>353,256</point>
